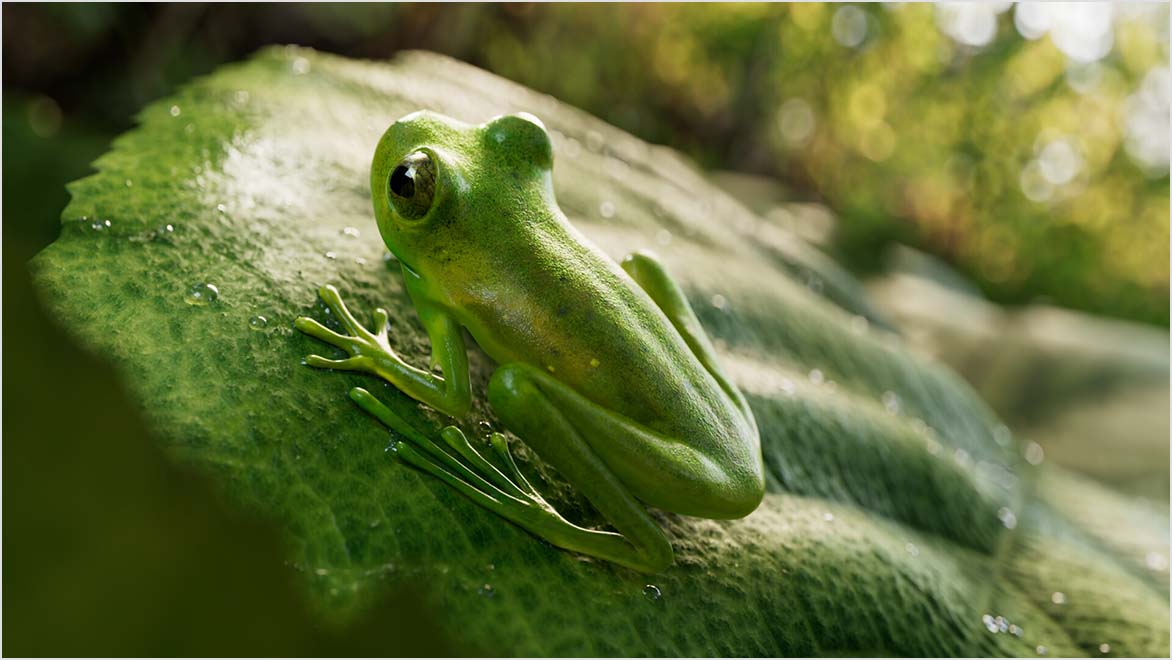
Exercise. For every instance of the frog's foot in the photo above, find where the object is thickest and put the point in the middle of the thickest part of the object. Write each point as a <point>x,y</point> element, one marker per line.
<point>506,492</point>
<point>365,347</point>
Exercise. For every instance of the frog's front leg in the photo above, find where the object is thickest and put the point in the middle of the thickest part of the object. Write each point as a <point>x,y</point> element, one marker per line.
<point>371,352</point>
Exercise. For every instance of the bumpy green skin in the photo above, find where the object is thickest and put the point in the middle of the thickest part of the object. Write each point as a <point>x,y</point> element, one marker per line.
<point>606,372</point>
<point>288,163</point>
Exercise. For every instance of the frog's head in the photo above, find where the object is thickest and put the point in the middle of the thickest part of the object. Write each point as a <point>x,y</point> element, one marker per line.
<point>440,185</point>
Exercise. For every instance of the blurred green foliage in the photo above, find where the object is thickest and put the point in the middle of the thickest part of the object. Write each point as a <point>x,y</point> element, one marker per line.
<point>1035,165</point>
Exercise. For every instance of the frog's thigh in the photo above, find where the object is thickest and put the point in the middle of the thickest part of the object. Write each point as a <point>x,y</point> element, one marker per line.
<point>662,472</point>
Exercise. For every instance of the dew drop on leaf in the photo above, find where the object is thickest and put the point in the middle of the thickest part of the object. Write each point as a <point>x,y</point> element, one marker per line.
<point>202,294</point>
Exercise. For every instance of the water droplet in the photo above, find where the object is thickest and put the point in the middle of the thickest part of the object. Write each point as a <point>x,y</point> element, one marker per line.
<point>1041,650</point>
<point>606,209</point>
<point>258,322</point>
<point>175,111</point>
<point>990,623</point>
<point>374,523</point>
<point>787,386</point>
<point>1002,435</point>
<point>485,427</point>
<point>331,255</point>
<point>202,294</point>
<point>652,592</point>
<point>1156,561</point>
<point>322,571</point>
<point>390,260</point>
<point>1104,648</point>
<point>100,225</point>
<point>594,141</point>
<point>891,402</point>
<point>486,590</point>
<point>550,367</point>
<point>221,208</point>
<point>828,517</point>
<point>663,237</point>
<point>129,183</point>
<point>1058,598</point>
<point>719,302</point>
<point>1002,624</point>
<point>573,148</point>
<point>1034,454</point>
<point>350,231</point>
<point>1015,630</point>
<point>1007,517</point>
<point>360,261</point>
<point>816,376</point>
<point>912,549</point>
<point>594,362</point>
<point>490,567</point>
<point>300,66</point>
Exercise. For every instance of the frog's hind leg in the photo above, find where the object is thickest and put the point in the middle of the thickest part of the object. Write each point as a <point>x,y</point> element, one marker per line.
<point>644,267</point>
<point>508,494</point>
<point>518,394</point>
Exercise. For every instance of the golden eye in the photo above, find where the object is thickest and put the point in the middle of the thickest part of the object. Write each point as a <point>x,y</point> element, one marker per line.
<point>412,185</point>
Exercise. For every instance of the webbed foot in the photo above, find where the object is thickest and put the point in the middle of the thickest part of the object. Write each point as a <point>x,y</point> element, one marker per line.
<point>364,346</point>
<point>505,492</point>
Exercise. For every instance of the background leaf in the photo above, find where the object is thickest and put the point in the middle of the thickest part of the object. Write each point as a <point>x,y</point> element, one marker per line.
<point>901,517</point>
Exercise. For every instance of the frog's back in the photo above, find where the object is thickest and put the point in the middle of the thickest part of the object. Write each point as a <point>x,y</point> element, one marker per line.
<point>563,306</point>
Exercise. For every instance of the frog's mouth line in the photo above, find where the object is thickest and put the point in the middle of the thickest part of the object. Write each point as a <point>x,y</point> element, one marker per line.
<point>409,267</point>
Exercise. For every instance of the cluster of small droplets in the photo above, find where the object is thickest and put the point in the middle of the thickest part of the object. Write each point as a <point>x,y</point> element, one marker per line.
<point>999,624</point>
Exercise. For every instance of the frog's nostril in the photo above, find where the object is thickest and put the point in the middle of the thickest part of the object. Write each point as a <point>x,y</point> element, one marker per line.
<point>402,183</point>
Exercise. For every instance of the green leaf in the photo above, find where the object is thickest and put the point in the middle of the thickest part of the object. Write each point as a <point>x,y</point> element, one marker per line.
<point>901,517</point>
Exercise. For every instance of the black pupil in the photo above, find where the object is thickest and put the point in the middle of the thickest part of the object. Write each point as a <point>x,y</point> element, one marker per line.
<point>402,184</point>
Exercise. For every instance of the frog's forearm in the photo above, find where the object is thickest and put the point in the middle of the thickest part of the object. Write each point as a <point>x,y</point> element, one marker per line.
<point>450,393</point>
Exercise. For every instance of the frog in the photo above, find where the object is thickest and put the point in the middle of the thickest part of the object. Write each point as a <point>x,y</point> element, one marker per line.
<point>602,367</point>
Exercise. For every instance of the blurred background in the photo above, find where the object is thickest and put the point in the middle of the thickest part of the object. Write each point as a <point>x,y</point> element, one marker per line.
<point>996,173</point>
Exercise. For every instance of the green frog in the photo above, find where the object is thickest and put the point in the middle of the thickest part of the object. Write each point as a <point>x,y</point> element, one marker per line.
<point>603,368</point>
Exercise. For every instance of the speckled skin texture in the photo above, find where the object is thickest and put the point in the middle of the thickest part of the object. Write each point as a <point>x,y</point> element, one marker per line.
<point>888,481</point>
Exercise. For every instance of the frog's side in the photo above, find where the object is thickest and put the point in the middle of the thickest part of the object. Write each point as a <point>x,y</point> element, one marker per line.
<point>604,370</point>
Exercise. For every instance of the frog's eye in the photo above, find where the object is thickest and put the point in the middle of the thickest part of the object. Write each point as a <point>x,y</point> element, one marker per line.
<point>412,185</point>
